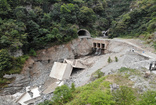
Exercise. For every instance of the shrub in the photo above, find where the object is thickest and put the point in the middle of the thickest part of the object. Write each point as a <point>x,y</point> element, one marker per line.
<point>124,96</point>
<point>100,74</point>
<point>47,102</point>
<point>148,98</point>
<point>32,52</point>
<point>109,60</point>
<point>116,59</point>
<point>99,97</point>
<point>62,95</point>
<point>124,69</point>
<point>73,87</point>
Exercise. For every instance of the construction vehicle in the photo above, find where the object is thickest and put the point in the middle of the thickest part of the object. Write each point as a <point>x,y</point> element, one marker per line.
<point>152,66</point>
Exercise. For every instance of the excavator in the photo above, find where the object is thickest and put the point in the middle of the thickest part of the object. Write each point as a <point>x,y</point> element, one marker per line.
<point>152,66</point>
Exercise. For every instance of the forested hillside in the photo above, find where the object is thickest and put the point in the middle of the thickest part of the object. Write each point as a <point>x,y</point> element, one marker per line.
<point>34,24</point>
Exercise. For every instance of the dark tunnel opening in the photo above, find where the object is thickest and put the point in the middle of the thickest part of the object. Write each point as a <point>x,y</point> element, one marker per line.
<point>82,33</point>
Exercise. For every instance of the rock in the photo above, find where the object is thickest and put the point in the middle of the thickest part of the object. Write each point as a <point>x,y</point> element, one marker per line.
<point>114,87</point>
<point>147,74</point>
<point>9,76</point>
<point>16,53</point>
<point>7,100</point>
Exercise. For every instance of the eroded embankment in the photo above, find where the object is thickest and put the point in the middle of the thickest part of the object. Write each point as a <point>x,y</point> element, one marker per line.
<point>36,69</point>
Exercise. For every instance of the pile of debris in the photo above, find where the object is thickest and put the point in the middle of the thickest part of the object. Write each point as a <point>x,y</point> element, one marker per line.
<point>59,73</point>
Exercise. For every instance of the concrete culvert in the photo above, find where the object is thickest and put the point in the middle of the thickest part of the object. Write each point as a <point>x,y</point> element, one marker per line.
<point>83,32</point>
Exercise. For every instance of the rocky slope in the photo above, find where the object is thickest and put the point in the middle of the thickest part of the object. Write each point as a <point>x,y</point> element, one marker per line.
<point>36,69</point>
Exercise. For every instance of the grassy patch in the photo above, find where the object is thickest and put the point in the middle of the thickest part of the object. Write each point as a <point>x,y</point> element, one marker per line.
<point>127,72</point>
<point>120,80</point>
<point>92,93</point>
<point>98,88</point>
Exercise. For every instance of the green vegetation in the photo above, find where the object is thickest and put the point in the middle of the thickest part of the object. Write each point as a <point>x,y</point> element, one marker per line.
<point>139,21</point>
<point>10,65</point>
<point>30,25</point>
<point>36,23</point>
<point>62,95</point>
<point>94,93</point>
<point>97,74</point>
<point>128,72</point>
<point>124,96</point>
<point>5,60</point>
<point>116,59</point>
<point>148,98</point>
<point>73,87</point>
<point>109,60</point>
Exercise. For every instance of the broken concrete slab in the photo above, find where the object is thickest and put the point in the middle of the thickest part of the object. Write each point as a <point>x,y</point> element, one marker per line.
<point>29,96</point>
<point>75,63</point>
<point>61,71</point>
<point>29,102</point>
<point>51,88</point>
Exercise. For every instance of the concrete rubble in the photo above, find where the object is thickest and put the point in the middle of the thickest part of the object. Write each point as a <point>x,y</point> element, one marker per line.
<point>59,73</point>
<point>30,96</point>
<point>75,63</point>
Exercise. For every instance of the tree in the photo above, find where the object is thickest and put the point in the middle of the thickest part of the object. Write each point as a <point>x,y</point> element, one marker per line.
<point>55,13</point>
<point>5,60</point>
<point>69,12</point>
<point>12,34</point>
<point>46,20</point>
<point>86,15</point>
<point>4,40</point>
<point>62,94</point>
<point>124,96</point>
<point>109,60</point>
<point>116,59</point>
<point>21,13</point>
<point>4,7</point>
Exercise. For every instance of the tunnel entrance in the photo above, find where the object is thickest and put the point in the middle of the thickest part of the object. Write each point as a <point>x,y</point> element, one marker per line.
<point>83,33</point>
